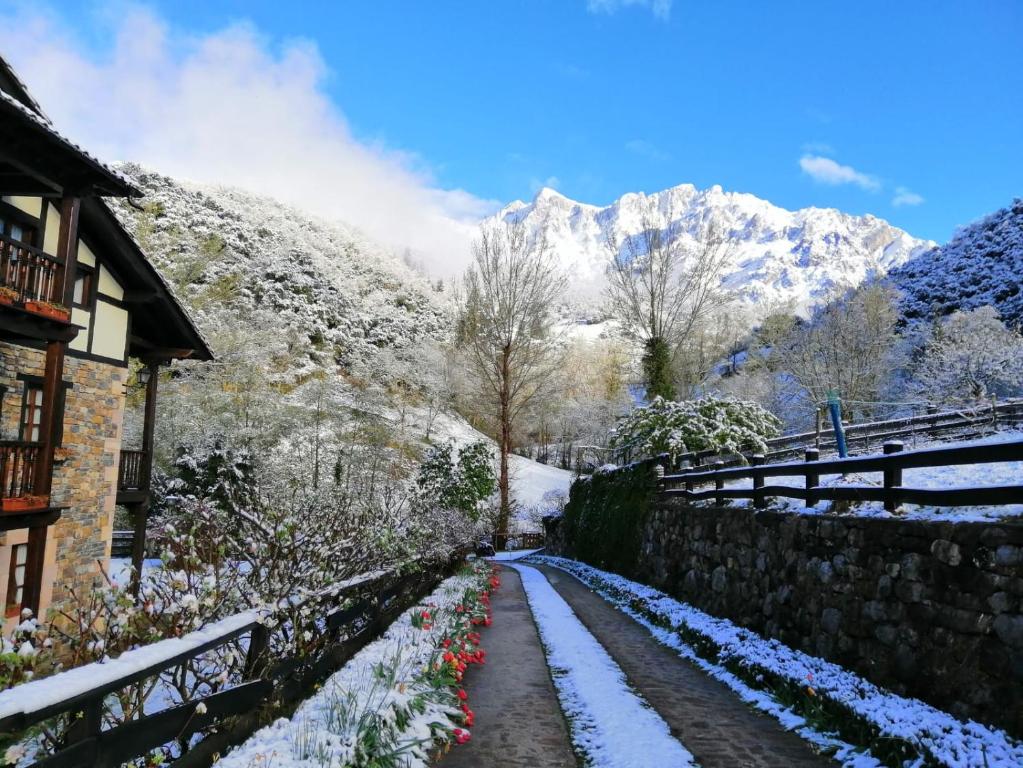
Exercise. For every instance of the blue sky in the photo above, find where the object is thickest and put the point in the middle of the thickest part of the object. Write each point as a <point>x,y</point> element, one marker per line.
<point>909,110</point>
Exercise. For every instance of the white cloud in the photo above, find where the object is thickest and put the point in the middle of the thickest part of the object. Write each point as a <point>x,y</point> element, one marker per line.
<point>660,8</point>
<point>552,182</point>
<point>235,108</point>
<point>827,171</point>
<point>904,196</point>
<point>646,149</point>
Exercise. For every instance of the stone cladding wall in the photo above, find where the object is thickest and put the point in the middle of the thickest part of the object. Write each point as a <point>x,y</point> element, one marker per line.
<point>85,475</point>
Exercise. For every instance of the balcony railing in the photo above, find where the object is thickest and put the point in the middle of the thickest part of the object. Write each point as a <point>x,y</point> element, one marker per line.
<point>29,274</point>
<point>19,461</point>
<point>129,471</point>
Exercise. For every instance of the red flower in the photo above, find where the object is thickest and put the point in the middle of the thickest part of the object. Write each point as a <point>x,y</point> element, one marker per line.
<point>462,694</point>
<point>461,736</point>
<point>425,615</point>
<point>487,622</point>
<point>447,642</point>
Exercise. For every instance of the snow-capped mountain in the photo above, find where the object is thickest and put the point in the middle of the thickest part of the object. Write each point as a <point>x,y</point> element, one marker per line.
<point>776,256</point>
<point>982,264</point>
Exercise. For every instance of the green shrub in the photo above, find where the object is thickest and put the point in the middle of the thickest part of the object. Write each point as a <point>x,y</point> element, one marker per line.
<point>605,515</point>
<point>708,424</point>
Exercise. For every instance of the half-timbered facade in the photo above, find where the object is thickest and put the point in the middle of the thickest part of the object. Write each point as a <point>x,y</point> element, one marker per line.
<point>78,302</point>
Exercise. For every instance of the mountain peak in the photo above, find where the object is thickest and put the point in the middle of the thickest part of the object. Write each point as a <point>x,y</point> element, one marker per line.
<point>776,257</point>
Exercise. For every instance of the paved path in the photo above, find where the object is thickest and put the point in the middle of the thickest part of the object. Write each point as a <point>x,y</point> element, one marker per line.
<point>519,723</point>
<point>518,719</point>
<point>703,713</point>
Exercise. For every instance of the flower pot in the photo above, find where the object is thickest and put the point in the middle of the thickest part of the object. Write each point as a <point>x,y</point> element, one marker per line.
<point>8,299</point>
<point>48,310</point>
<point>25,503</point>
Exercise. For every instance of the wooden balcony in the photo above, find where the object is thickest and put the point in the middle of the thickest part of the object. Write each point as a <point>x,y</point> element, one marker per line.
<point>31,280</point>
<point>19,463</point>
<point>132,484</point>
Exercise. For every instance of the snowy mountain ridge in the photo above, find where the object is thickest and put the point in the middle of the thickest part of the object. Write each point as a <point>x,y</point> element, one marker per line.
<point>776,257</point>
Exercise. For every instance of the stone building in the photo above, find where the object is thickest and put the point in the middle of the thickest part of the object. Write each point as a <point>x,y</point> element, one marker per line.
<point>79,302</point>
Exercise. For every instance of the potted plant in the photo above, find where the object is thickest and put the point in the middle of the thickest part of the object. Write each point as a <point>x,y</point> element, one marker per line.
<point>50,309</point>
<point>25,503</point>
<point>8,296</point>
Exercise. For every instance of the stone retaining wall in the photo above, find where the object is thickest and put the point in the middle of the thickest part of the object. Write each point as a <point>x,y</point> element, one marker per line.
<point>927,609</point>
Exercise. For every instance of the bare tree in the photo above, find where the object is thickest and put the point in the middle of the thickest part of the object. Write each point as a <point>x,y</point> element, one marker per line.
<point>506,326</point>
<point>661,284</point>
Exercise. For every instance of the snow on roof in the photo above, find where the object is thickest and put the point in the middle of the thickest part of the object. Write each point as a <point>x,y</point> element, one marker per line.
<point>44,124</point>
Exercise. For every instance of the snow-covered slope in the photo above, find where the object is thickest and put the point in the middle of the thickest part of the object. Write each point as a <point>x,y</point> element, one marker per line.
<point>230,254</point>
<point>776,256</point>
<point>982,264</point>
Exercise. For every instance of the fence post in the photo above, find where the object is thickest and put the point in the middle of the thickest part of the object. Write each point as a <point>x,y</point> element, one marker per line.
<point>994,411</point>
<point>759,501</point>
<point>719,482</point>
<point>813,480</point>
<point>258,640</point>
<point>892,476</point>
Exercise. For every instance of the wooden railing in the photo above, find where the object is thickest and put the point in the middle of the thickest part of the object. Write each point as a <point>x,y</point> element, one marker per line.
<point>362,609</point>
<point>19,461</point>
<point>130,471</point>
<point>32,274</point>
<point>966,423</point>
<point>890,465</point>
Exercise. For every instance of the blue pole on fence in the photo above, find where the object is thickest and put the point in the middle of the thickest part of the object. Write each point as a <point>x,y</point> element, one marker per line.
<point>835,408</point>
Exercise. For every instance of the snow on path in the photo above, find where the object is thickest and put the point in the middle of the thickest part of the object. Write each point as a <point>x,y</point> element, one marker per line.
<point>610,723</point>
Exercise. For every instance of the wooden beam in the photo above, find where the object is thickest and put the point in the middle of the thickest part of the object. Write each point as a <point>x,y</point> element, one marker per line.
<point>141,513</point>
<point>67,245</point>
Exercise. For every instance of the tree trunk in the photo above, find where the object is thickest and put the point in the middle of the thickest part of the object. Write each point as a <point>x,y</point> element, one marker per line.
<point>504,480</point>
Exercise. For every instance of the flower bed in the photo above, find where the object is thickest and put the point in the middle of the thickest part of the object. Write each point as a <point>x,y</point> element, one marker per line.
<point>803,690</point>
<point>399,701</point>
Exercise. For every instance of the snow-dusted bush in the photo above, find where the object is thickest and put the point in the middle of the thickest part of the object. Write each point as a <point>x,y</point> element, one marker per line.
<point>708,424</point>
<point>969,355</point>
<point>462,482</point>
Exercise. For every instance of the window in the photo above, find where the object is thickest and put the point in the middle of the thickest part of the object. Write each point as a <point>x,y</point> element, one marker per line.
<point>31,412</point>
<point>17,230</point>
<point>32,409</point>
<point>83,288</point>
<point>16,579</point>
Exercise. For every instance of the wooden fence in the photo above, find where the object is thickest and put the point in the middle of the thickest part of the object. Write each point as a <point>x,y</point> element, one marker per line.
<point>964,424</point>
<point>890,465</point>
<point>363,608</point>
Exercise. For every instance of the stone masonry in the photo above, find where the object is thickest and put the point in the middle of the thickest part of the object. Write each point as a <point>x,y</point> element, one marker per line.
<point>85,473</point>
<point>932,610</point>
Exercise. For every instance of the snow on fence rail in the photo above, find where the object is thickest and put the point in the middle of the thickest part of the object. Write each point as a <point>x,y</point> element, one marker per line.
<point>858,436</point>
<point>375,600</point>
<point>890,464</point>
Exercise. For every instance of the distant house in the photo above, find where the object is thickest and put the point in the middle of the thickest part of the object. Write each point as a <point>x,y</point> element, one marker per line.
<point>78,301</point>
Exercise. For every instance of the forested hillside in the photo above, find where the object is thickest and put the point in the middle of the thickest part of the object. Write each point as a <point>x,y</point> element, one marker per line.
<point>981,265</point>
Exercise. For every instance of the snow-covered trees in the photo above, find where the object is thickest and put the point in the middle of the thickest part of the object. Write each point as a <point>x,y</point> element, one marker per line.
<point>967,356</point>
<point>506,327</point>
<point>849,347</point>
<point>710,423</point>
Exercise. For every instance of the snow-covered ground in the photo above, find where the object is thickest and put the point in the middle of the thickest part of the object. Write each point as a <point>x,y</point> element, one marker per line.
<point>377,688</point>
<point>516,555</point>
<point>965,476</point>
<point>531,481</point>
<point>952,742</point>
<point>611,725</point>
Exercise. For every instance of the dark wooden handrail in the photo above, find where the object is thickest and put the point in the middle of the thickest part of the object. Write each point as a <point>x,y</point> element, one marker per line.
<point>891,464</point>
<point>356,612</point>
<point>19,462</point>
<point>129,471</point>
<point>31,273</point>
